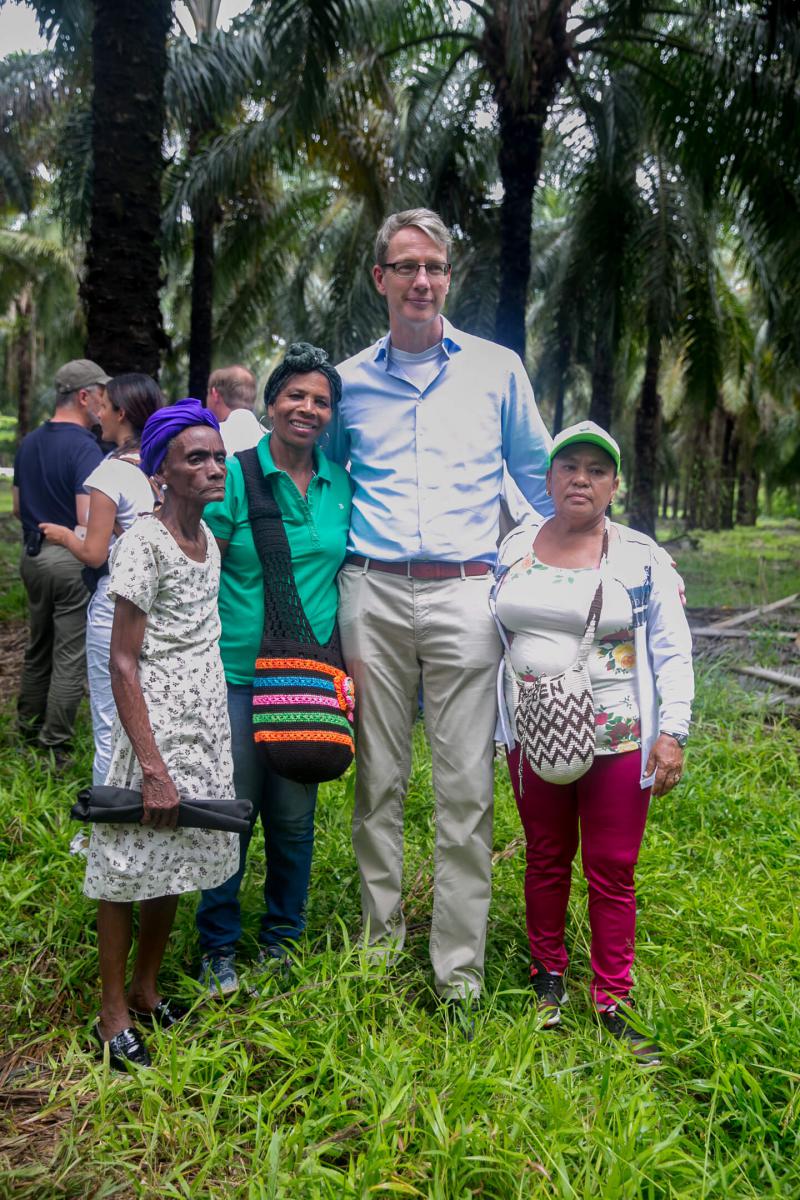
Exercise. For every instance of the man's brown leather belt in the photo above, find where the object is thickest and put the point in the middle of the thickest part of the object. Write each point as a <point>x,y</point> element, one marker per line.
<point>421,570</point>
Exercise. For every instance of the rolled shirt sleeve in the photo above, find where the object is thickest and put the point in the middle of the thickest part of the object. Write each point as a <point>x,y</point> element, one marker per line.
<point>526,442</point>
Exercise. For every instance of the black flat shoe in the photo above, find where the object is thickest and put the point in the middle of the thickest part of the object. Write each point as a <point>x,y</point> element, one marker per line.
<point>166,1014</point>
<point>124,1048</point>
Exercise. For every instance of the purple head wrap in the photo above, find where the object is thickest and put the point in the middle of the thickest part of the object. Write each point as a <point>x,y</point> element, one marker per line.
<point>165,424</point>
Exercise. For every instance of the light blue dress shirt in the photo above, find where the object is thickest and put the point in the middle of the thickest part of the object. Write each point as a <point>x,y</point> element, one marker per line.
<point>427,466</point>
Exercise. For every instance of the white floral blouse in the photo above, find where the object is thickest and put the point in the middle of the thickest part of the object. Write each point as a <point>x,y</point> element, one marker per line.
<point>544,611</point>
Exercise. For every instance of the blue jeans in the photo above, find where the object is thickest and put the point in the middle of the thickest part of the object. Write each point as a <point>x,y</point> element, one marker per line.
<point>287,818</point>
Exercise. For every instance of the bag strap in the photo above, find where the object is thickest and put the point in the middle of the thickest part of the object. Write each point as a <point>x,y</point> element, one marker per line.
<point>286,629</point>
<point>284,615</point>
<point>592,622</point>
<point>595,608</point>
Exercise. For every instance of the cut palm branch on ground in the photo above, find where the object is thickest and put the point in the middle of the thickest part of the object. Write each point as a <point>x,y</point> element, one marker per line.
<point>761,611</point>
<point>757,635</point>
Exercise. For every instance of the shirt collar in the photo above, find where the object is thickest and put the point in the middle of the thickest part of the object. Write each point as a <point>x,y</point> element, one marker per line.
<point>450,343</point>
<point>322,468</point>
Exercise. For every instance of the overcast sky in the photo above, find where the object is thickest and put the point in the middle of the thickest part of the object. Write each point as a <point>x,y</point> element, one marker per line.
<point>19,29</point>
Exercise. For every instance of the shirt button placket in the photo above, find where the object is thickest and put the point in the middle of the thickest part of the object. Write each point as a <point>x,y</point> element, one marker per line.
<point>420,480</point>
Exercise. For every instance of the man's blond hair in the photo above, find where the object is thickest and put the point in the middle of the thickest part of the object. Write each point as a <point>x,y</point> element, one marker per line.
<point>420,218</point>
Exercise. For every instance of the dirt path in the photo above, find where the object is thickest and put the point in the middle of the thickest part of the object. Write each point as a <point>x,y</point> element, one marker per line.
<point>13,636</point>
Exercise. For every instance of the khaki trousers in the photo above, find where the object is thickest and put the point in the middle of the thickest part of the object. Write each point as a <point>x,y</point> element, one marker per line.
<point>54,669</point>
<point>396,631</point>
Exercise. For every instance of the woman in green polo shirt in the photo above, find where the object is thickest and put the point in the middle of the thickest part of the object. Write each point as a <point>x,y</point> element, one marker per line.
<point>314,497</point>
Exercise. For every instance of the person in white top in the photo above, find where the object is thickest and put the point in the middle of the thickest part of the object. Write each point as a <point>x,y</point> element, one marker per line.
<point>231,398</point>
<point>640,670</point>
<point>118,492</point>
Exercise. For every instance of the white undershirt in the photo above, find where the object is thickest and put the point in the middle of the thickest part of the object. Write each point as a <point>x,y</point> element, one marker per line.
<point>419,369</point>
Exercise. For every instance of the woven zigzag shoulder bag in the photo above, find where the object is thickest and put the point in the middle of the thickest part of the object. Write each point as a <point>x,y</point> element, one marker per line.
<point>554,714</point>
<point>303,698</point>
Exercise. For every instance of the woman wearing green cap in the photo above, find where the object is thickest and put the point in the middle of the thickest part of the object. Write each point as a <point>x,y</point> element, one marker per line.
<point>314,499</point>
<point>579,584</point>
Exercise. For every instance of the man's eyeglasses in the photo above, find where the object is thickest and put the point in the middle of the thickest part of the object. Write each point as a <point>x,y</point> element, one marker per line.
<point>407,269</point>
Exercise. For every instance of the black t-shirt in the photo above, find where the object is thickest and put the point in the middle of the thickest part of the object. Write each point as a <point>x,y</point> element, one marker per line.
<point>49,469</point>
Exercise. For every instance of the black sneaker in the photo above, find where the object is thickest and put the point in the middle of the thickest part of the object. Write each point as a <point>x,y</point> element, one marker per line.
<point>550,994</point>
<point>644,1048</point>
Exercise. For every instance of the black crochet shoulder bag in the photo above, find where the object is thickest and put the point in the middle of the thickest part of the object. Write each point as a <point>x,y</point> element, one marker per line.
<point>303,698</point>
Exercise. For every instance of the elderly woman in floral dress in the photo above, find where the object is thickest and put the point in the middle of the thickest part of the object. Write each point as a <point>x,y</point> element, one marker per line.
<point>172,737</point>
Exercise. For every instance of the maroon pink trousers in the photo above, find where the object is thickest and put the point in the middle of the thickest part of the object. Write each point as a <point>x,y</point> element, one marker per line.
<point>609,810</point>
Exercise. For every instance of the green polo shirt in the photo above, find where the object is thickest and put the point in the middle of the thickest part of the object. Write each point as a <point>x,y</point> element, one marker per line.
<point>316,527</point>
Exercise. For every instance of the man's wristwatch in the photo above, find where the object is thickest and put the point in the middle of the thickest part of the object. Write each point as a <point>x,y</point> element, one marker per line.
<point>680,738</point>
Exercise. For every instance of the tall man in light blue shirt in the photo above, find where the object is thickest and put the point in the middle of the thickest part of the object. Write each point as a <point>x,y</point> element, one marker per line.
<point>427,419</point>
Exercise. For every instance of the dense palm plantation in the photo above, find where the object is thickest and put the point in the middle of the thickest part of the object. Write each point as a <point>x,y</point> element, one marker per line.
<point>622,182</point>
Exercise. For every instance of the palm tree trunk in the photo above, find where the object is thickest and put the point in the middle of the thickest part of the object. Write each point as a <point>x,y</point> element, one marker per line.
<point>717,511</point>
<point>676,497</point>
<point>709,514</point>
<point>730,454</point>
<point>700,468</point>
<point>748,432</point>
<point>523,95</point>
<point>519,159</point>
<point>202,316</point>
<point>564,355</point>
<point>643,506</point>
<point>602,403</point>
<point>747,498</point>
<point>123,273</point>
<point>23,352</point>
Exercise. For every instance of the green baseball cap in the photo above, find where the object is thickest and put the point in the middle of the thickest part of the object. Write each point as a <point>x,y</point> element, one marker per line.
<point>586,431</point>
<point>80,373</point>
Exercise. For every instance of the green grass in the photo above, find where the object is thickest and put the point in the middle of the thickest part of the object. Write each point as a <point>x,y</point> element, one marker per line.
<point>12,593</point>
<point>742,566</point>
<point>5,495</point>
<point>349,1082</point>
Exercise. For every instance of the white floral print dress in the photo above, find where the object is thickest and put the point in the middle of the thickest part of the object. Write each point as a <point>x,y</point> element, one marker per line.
<point>181,676</point>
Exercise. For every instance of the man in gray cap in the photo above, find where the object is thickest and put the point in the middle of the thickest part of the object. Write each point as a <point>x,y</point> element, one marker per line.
<point>49,471</point>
